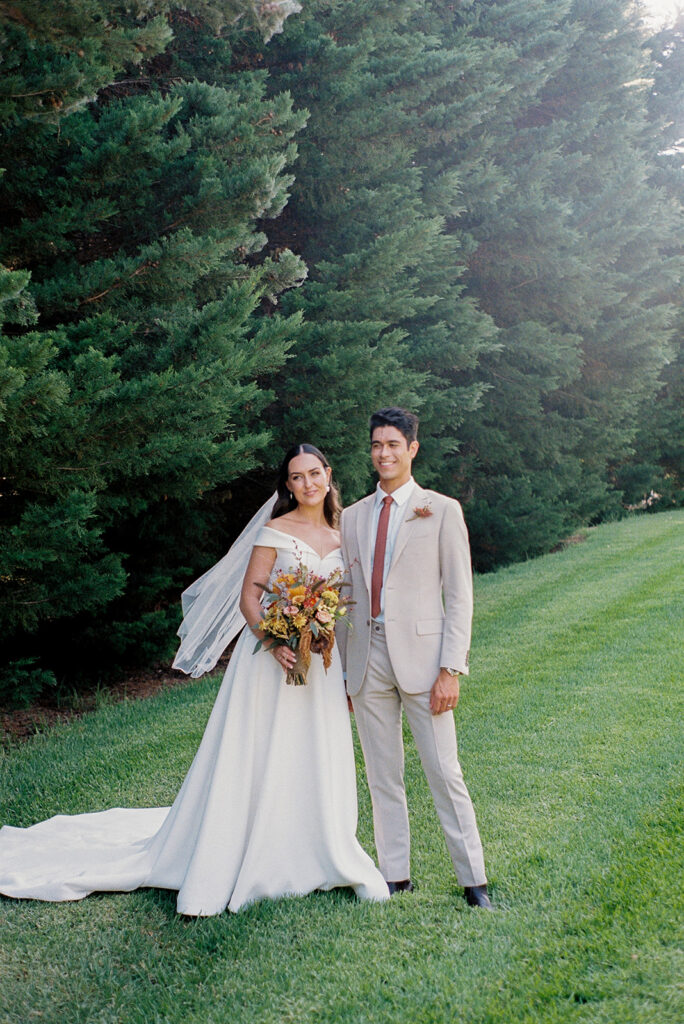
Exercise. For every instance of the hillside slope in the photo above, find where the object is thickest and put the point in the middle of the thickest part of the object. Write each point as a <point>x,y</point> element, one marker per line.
<point>570,731</point>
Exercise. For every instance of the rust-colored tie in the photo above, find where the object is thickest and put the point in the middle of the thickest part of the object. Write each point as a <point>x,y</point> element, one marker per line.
<point>379,557</point>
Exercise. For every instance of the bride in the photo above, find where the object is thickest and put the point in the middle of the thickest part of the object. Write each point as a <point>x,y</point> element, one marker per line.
<point>268,807</point>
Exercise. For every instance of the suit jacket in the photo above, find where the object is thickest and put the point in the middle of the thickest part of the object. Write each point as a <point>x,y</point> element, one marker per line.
<point>428,592</point>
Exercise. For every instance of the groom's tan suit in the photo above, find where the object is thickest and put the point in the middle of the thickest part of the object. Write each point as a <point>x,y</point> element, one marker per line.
<point>393,661</point>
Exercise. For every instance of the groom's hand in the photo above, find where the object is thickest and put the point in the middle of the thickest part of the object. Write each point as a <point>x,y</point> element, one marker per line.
<point>444,693</point>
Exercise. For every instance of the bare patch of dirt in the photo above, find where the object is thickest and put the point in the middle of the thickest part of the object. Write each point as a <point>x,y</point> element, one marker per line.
<point>576,538</point>
<point>22,723</point>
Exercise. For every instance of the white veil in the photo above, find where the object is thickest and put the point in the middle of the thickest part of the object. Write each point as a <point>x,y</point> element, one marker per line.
<point>211,605</point>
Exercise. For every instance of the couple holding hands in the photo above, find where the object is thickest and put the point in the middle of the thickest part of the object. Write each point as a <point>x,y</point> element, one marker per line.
<point>268,807</point>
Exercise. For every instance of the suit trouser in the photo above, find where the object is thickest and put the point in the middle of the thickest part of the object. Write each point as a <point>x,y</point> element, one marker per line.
<point>378,707</point>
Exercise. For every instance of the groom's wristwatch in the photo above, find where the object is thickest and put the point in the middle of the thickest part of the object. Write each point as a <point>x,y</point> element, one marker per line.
<point>453,672</point>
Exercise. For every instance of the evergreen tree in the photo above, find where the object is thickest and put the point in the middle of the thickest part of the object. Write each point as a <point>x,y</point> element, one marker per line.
<point>386,320</point>
<point>57,56</point>
<point>656,466</point>
<point>569,261</point>
<point>135,349</point>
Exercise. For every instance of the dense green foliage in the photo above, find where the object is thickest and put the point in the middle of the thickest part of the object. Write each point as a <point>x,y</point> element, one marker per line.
<point>233,225</point>
<point>386,317</point>
<point>570,260</point>
<point>575,770</point>
<point>132,365</point>
<point>469,159</point>
<point>655,471</point>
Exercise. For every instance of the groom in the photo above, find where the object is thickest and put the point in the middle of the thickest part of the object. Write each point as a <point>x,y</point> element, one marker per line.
<point>409,560</point>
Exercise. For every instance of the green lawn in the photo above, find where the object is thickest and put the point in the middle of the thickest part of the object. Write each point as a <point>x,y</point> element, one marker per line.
<point>570,732</point>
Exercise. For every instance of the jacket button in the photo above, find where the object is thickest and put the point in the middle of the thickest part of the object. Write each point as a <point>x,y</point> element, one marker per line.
<point>368,622</point>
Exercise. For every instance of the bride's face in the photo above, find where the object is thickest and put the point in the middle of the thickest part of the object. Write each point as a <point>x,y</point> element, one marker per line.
<point>308,479</point>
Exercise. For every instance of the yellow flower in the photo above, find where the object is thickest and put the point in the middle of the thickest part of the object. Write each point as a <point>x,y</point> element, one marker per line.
<point>299,621</point>
<point>277,625</point>
<point>330,596</point>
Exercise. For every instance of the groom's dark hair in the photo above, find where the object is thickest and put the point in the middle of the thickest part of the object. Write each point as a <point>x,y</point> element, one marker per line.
<point>404,421</point>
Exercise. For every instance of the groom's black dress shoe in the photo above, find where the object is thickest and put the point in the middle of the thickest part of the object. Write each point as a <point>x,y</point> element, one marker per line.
<point>476,896</point>
<point>406,885</point>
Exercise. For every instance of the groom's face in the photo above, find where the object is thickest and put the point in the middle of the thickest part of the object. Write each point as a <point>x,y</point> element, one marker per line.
<point>392,457</point>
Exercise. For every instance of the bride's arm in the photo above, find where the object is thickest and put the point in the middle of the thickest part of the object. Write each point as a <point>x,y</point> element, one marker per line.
<point>257,574</point>
<point>258,571</point>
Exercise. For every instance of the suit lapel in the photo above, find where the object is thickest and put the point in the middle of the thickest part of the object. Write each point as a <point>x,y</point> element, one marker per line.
<point>404,531</point>
<point>364,535</point>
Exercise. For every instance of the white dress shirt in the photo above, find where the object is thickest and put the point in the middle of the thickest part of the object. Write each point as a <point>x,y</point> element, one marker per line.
<point>400,498</point>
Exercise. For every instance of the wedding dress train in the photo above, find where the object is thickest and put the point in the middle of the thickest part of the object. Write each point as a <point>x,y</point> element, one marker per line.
<point>268,807</point>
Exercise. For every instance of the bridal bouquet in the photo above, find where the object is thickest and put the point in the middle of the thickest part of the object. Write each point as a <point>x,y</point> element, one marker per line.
<point>300,612</point>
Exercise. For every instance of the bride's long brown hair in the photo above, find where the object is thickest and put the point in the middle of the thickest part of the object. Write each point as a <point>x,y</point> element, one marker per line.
<point>332,507</point>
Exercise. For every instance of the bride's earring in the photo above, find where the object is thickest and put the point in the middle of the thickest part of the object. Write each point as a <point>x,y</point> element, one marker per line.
<point>327,490</point>
<point>291,495</point>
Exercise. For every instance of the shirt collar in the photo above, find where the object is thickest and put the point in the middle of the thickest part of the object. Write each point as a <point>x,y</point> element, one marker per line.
<point>401,495</point>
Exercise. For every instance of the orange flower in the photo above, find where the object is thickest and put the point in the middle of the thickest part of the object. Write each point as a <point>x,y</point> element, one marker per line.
<point>421,512</point>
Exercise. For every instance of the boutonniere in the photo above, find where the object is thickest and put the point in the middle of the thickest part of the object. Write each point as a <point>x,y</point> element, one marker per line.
<point>421,512</point>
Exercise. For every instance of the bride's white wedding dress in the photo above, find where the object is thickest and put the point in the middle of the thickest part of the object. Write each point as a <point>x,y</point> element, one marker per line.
<point>268,807</point>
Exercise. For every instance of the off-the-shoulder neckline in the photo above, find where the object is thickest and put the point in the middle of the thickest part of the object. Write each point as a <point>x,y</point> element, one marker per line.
<point>299,540</point>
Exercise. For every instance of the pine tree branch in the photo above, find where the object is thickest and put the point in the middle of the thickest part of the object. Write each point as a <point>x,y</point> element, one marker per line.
<point>119,283</point>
